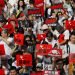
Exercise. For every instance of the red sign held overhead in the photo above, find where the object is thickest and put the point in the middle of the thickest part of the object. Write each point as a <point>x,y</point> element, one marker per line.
<point>43,49</point>
<point>24,60</point>
<point>39,4</point>
<point>50,20</point>
<point>55,52</point>
<point>57,6</point>
<point>19,39</point>
<point>41,37</point>
<point>2,50</point>
<point>70,24</point>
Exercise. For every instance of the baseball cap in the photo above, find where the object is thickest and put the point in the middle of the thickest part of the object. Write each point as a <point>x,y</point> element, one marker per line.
<point>44,27</point>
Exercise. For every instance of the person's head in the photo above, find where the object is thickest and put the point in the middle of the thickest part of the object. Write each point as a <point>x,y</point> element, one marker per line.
<point>13,71</point>
<point>59,64</point>
<point>72,37</point>
<point>4,33</point>
<point>49,36</point>
<point>21,3</point>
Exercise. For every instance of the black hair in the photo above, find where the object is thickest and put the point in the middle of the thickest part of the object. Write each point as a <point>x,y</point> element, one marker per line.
<point>13,68</point>
<point>72,33</point>
<point>20,30</point>
<point>23,4</point>
<point>49,34</point>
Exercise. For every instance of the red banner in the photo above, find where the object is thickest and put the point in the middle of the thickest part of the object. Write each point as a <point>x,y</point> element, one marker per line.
<point>34,11</point>
<point>57,6</point>
<point>50,20</point>
<point>2,50</point>
<point>24,60</point>
<point>38,73</point>
<point>39,4</point>
<point>70,24</point>
<point>2,72</point>
<point>41,37</point>
<point>43,49</point>
<point>19,39</point>
<point>55,52</point>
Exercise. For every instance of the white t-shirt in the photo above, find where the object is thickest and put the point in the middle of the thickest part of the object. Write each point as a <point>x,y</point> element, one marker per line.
<point>72,49</point>
<point>8,50</point>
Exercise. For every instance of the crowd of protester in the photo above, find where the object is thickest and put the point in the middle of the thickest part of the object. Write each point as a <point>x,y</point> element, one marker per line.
<point>15,20</point>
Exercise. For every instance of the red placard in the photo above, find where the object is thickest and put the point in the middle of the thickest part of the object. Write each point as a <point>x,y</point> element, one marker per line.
<point>70,24</point>
<point>2,72</point>
<point>43,49</point>
<point>55,52</point>
<point>38,73</point>
<point>39,4</point>
<point>72,58</point>
<point>35,11</point>
<point>41,37</point>
<point>19,39</point>
<point>24,60</point>
<point>2,50</point>
<point>50,20</point>
<point>57,6</point>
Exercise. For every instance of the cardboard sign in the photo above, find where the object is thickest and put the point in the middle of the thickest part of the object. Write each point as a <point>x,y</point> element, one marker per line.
<point>35,11</point>
<point>39,4</point>
<point>55,52</point>
<point>19,39</point>
<point>2,72</point>
<point>70,24</point>
<point>2,50</point>
<point>43,49</point>
<point>24,60</point>
<point>41,37</point>
<point>51,72</point>
<point>57,6</point>
<point>50,20</point>
<point>38,73</point>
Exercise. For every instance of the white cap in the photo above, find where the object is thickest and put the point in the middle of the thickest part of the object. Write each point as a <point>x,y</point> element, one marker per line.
<point>44,27</point>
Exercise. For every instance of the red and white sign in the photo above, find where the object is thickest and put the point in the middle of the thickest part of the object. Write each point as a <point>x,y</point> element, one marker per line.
<point>38,73</point>
<point>70,24</point>
<point>19,39</point>
<point>2,72</point>
<point>43,49</point>
<point>41,37</point>
<point>24,60</point>
<point>50,20</point>
<point>57,6</point>
<point>51,72</point>
<point>72,58</point>
<point>2,50</point>
<point>55,52</point>
<point>39,4</point>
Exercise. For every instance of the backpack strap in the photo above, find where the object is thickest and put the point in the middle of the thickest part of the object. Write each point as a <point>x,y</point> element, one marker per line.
<point>68,48</point>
